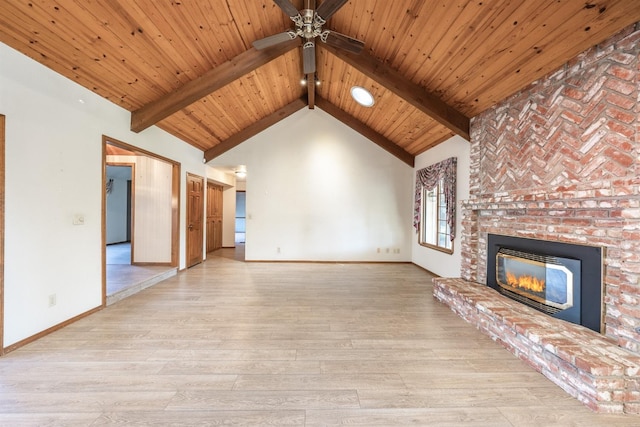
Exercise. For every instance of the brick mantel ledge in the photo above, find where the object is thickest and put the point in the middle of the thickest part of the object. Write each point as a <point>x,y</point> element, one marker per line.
<point>584,363</point>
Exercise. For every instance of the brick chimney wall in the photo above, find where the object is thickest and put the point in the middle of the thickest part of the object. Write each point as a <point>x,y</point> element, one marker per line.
<point>560,161</point>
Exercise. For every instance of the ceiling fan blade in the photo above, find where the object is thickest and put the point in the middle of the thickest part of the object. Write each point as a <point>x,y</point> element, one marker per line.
<point>343,42</point>
<point>328,7</point>
<point>274,40</point>
<point>287,8</point>
<point>309,57</point>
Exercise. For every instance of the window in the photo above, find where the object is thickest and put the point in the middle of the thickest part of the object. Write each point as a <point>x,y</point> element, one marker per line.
<point>434,230</point>
<point>435,204</point>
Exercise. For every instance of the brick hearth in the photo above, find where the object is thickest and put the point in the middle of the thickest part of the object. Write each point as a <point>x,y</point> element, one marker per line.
<point>560,161</point>
<point>585,364</point>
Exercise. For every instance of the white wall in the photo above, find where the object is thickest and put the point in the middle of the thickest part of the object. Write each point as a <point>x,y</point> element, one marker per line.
<point>53,172</point>
<point>318,190</point>
<point>440,263</point>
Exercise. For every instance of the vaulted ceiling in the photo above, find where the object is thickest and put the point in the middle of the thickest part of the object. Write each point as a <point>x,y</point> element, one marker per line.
<point>189,67</point>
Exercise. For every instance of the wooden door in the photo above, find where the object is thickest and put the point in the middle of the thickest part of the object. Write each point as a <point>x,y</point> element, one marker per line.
<point>195,219</point>
<point>214,217</point>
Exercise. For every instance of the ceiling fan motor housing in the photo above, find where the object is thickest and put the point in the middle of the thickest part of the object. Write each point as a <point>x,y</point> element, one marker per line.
<point>308,24</point>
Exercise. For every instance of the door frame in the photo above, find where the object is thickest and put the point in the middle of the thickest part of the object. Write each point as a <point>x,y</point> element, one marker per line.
<point>175,202</point>
<point>2,207</point>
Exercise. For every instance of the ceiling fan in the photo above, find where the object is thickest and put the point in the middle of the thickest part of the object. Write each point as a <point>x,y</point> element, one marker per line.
<point>308,25</point>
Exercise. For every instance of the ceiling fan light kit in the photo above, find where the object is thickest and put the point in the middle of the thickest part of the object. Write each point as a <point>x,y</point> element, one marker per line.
<point>304,80</point>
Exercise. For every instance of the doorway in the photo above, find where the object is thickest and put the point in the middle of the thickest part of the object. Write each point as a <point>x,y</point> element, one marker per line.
<point>119,187</point>
<point>146,218</point>
<point>119,204</point>
<point>241,217</point>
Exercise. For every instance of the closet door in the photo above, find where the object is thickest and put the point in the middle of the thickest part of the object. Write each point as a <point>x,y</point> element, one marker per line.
<point>195,196</point>
<point>214,217</point>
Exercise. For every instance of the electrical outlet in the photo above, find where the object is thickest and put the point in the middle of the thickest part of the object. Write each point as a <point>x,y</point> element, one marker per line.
<point>52,300</point>
<point>278,249</point>
<point>378,250</point>
<point>78,219</point>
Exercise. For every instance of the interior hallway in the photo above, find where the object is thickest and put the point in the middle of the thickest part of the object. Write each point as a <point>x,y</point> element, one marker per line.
<point>299,344</point>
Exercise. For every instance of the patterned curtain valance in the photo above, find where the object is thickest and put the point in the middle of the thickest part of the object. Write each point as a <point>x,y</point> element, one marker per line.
<point>428,178</point>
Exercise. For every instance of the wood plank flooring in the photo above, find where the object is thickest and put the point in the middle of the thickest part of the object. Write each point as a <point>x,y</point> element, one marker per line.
<point>234,343</point>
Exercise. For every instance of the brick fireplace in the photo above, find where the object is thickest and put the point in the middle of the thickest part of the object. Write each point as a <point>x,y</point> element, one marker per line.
<point>560,161</point>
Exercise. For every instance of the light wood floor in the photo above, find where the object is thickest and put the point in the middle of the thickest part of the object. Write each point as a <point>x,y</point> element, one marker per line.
<point>234,343</point>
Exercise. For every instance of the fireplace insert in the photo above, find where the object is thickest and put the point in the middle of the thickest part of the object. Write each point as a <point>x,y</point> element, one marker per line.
<point>560,279</point>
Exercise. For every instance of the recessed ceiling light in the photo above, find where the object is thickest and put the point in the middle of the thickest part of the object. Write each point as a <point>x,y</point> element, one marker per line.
<point>241,171</point>
<point>362,96</point>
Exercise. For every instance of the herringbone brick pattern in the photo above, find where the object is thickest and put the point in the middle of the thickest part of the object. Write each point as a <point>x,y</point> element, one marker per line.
<point>561,161</point>
<point>579,124</point>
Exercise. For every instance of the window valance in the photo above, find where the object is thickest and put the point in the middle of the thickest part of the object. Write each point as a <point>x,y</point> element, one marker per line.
<point>427,178</point>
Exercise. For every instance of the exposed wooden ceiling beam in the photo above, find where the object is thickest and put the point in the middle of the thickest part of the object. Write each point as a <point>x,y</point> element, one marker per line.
<point>365,131</point>
<point>311,90</point>
<point>254,129</point>
<point>204,85</point>
<point>412,93</point>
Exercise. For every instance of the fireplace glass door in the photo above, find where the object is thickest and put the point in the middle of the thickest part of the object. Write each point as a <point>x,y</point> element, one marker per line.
<point>544,280</point>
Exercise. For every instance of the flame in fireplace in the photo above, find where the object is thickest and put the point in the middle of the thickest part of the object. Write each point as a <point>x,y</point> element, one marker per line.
<point>529,283</point>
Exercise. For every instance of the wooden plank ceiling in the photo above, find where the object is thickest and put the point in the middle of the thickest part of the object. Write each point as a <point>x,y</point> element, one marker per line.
<point>189,66</point>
